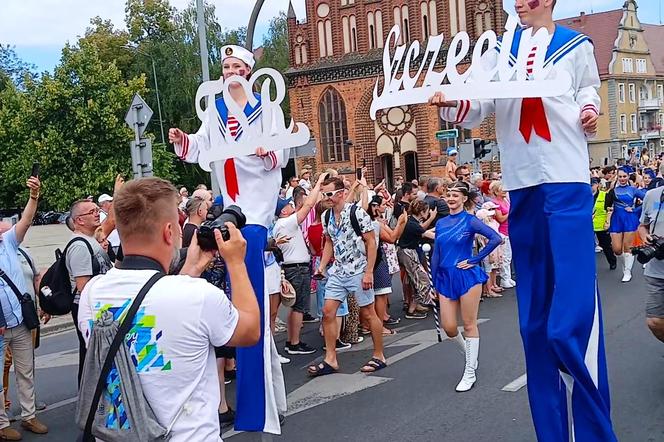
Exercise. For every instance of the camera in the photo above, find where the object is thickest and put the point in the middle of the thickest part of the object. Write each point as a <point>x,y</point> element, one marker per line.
<point>647,252</point>
<point>216,219</point>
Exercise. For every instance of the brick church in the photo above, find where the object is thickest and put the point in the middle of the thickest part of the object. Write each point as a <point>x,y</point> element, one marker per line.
<point>336,57</point>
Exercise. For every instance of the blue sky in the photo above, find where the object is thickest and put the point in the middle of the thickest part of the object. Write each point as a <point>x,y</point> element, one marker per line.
<point>40,28</point>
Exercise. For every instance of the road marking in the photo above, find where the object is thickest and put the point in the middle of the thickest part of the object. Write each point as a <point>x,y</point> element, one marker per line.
<point>516,385</point>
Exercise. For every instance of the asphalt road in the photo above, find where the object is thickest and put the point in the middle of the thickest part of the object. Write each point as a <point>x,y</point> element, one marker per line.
<point>414,399</point>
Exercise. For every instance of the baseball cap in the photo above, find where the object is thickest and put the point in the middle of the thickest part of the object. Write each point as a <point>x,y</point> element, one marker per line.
<point>452,151</point>
<point>281,203</point>
<point>104,197</point>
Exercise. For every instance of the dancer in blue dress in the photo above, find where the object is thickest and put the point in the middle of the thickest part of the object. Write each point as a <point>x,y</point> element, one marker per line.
<point>621,205</point>
<point>457,276</point>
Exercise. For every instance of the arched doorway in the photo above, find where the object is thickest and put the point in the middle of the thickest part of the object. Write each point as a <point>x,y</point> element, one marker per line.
<point>410,165</point>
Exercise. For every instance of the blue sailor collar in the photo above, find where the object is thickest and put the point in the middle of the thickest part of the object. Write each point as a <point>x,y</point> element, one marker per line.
<point>563,41</point>
<point>252,113</point>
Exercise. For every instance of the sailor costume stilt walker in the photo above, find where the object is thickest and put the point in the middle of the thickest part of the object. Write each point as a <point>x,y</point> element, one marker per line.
<point>252,183</point>
<point>544,157</point>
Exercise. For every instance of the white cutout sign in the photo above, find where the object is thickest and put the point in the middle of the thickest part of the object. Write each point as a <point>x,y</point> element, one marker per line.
<point>268,130</point>
<point>501,81</point>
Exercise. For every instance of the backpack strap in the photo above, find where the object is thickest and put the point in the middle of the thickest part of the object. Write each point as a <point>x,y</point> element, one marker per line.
<point>27,258</point>
<point>94,262</point>
<point>112,351</point>
<point>354,222</point>
<point>326,223</point>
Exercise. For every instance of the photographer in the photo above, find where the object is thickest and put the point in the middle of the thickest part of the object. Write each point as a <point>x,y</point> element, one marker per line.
<point>187,315</point>
<point>651,227</point>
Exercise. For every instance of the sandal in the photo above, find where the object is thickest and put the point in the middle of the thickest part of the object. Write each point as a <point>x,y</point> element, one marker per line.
<point>392,321</point>
<point>493,295</point>
<point>388,332</point>
<point>364,331</point>
<point>373,366</point>
<point>321,369</point>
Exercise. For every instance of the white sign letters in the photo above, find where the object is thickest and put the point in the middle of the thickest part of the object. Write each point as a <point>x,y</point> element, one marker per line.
<point>502,80</point>
<point>264,128</point>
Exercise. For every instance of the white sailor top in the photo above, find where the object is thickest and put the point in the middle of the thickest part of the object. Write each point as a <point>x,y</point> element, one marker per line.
<point>250,182</point>
<point>547,145</point>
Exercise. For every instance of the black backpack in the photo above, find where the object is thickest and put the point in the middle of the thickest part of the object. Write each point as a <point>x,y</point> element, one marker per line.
<point>356,227</point>
<point>56,294</point>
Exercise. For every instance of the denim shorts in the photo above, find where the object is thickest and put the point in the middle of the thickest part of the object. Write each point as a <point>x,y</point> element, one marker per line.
<point>339,287</point>
<point>300,278</point>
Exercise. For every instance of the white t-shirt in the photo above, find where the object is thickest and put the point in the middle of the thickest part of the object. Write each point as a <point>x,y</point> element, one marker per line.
<point>295,251</point>
<point>113,237</point>
<point>179,321</point>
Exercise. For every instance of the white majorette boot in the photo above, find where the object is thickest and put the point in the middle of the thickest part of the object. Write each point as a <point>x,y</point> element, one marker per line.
<point>458,339</point>
<point>627,269</point>
<point>472,352</point>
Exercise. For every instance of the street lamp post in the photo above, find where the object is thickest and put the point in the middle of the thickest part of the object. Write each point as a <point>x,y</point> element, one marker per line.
<point>156,88</point>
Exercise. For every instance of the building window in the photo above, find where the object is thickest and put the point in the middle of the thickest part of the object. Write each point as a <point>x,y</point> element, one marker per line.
<point>457,14</point>
<point>641,66</point>
<point>632,121</point>
<point>632,93</point>
<point>661,120</point>
<point>333,127</point>
<point>660,92</point>
<point>375,28</point>
<point>428,16</point>
<point>349,25</point>
<point>347,2</point>
<point>324,26</point>
<point>401,19</point>
<point>353,34</point>
<point>483,19</point>
<point>623,124</point>
<point>621,92</point>
<point>628,65</point>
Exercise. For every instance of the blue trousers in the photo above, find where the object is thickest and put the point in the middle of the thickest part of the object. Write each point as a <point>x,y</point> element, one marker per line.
<point>256,408</point>
<point>550,228</point>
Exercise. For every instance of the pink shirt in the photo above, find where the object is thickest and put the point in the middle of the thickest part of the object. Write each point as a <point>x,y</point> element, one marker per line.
<point>504,207</point>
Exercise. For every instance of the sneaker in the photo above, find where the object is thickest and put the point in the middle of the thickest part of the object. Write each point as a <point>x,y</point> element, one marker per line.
<point>360,339</point>
<point>40,405</point>
<point>227,419</point>
<point>283,360</point>
<point>282,420</point>
<point>33,425</point>
<point>416,315</point>
<point>299,349</point>
<point>227,381</point>
<point>279,326</point>
<point>392,321</point>
<point>340,345</point>
<point>8,433</point>
<point>230,374</point>
<point>598,249</point>
<point>307,318</point>
<point>507,284</point>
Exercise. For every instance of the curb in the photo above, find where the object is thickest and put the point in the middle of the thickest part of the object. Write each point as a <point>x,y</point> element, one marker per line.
<point>51,329</point>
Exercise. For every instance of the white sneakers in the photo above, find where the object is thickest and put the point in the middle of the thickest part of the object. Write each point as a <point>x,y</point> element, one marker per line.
<point>508,284</point>
<point>628,262</point>
<point>472,352</point>
<point>283,360</point>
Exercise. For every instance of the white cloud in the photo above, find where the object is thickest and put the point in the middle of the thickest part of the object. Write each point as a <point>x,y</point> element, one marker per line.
<point>54,22</point>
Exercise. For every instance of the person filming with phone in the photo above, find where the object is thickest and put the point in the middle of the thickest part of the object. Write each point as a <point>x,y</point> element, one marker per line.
<point>15,329</point>
<point>296,264</point>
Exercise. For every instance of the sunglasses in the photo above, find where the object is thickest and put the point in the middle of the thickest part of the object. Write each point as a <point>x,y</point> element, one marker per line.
<point>332,193</point>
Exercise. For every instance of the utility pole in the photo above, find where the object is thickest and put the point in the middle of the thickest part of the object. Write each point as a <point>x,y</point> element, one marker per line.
<point>205,68</point>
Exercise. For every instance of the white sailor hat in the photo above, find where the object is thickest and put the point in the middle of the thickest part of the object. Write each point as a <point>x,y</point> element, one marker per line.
<point>238,52</point>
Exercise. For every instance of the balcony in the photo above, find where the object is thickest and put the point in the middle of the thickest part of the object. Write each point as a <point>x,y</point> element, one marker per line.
<point>650,104</point>
<point>650,132</point>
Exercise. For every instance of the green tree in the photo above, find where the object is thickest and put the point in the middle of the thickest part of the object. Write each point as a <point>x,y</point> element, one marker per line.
<point>111,44</point>
<point>72,122</point>
<point>149,20</point>
<point>14,69</point>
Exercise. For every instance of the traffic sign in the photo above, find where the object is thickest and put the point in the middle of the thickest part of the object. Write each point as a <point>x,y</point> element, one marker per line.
<point>139,115</point>
<point>639,143</point>
<point>448,134</point>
